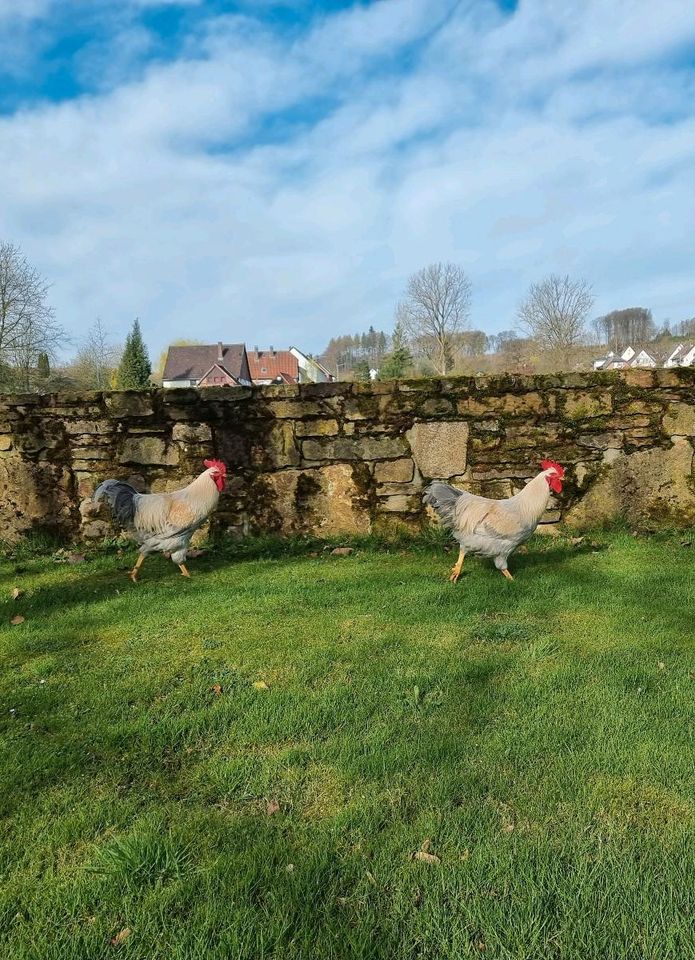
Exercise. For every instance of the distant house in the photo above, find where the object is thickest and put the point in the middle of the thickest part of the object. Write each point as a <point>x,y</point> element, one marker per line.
<point>682,356</point>
<point>285,366</point>
<point>217,365</point>
<point>630,357</point>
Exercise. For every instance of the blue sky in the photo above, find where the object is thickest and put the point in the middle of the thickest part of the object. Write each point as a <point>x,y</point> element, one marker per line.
<point>274,171</point>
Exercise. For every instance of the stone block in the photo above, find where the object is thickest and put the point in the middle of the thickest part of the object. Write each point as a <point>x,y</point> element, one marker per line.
<point>95,529</point>
<point>439,448</point>
<point>295,409</point>
<point>398,503</point>
<point>675,377</point>
<point>320,501</point>
<point>436,407</point>
<point>362,407</point>
<point>149,451</point>
<point>280,448</point>
<point>181,396</point>
<point>85,485</point>
<point>601,441</point>
<point>653,485</point>
<point>394,471</point>
<point>131,403</point>
<point>192,432</point>
<point>638,378</point>
<point>88,508</point>
<point>580,405</point>
<point>354,448</point>
<point>325,427</point>
<point>5,443</point>
<point>89,427</point>
<point>280,391</point>
<point>35,439</point>
<point>679,420</point>
<point>91,453</point>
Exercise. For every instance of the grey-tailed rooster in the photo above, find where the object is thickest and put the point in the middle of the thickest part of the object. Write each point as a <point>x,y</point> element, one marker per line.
<point>493,528</point>
<point>165,522</point>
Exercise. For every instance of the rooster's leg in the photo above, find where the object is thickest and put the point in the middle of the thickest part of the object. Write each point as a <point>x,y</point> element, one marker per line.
<point>184,571</point>
<point>138,563</point>
<point>456,569</point>
<point>507,574</point>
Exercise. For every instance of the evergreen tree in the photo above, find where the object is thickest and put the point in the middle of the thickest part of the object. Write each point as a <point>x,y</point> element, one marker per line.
<point>43,366</point>
<point>397,363</point>
<point>134,370</point>
<point>361,371</point>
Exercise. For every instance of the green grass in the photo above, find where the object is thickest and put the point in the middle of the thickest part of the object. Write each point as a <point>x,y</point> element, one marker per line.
<point>539,734</point>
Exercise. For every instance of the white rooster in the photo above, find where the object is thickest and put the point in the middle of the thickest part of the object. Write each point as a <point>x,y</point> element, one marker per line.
<point>165,522</point>
<point>493,528</point>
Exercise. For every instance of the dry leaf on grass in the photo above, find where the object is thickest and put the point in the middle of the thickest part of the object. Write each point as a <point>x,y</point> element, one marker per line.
<point>17,619</point>
<point>216,689</point>
<point>341,552</point>
<point>271,807</point>
<point>424,855</point>
<point>120,936</point>
<point>260,685</point>
<point>16,593</point>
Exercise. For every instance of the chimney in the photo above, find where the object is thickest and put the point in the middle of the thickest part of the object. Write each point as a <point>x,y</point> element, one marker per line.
<point>272,349</point>
<point>220,355</point>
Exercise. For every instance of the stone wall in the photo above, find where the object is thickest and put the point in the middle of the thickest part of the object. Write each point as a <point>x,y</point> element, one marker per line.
<point>353,458</point>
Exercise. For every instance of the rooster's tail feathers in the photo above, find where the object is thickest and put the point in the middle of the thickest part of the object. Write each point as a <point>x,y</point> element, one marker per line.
<point>442,498</point>
<point>121,497</point>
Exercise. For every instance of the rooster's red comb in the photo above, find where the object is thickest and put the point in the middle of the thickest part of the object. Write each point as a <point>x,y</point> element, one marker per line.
<point>551,465</point>
<point>215,463</point>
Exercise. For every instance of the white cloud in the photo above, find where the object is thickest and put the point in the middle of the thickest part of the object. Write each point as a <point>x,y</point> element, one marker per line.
<point>35,9</point>
<point>213,197</point>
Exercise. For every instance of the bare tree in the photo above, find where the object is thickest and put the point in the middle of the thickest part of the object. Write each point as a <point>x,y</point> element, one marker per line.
<point>621,328</point>
<point>554,313</point>
<point>435,309</point>
<point>27,322</point>
<point>96,359</point>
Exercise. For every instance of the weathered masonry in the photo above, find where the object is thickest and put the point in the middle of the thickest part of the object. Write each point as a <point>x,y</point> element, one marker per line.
<point>351,458</point>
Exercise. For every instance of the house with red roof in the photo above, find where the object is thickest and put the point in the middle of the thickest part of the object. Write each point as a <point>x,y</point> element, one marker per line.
<point>202,365</point>
<point>285,366</point>
<point>229,365</point>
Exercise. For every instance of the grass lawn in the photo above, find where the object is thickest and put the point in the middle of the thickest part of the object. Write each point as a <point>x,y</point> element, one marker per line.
<point>297,756</point>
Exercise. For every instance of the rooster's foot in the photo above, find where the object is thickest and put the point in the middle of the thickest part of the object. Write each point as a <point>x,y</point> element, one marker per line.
<point>456,569</point>
<point>507,574</point>
<point>184,571</point>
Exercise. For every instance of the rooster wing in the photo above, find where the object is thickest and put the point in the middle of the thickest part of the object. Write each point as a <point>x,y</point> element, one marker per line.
<point>466,513</point>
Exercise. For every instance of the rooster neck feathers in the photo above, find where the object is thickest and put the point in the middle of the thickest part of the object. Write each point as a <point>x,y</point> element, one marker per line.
<point>533,499</point>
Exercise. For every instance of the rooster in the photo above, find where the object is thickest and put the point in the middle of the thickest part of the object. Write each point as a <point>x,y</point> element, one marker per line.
<point>493,528</point>
<point>165,522</point>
